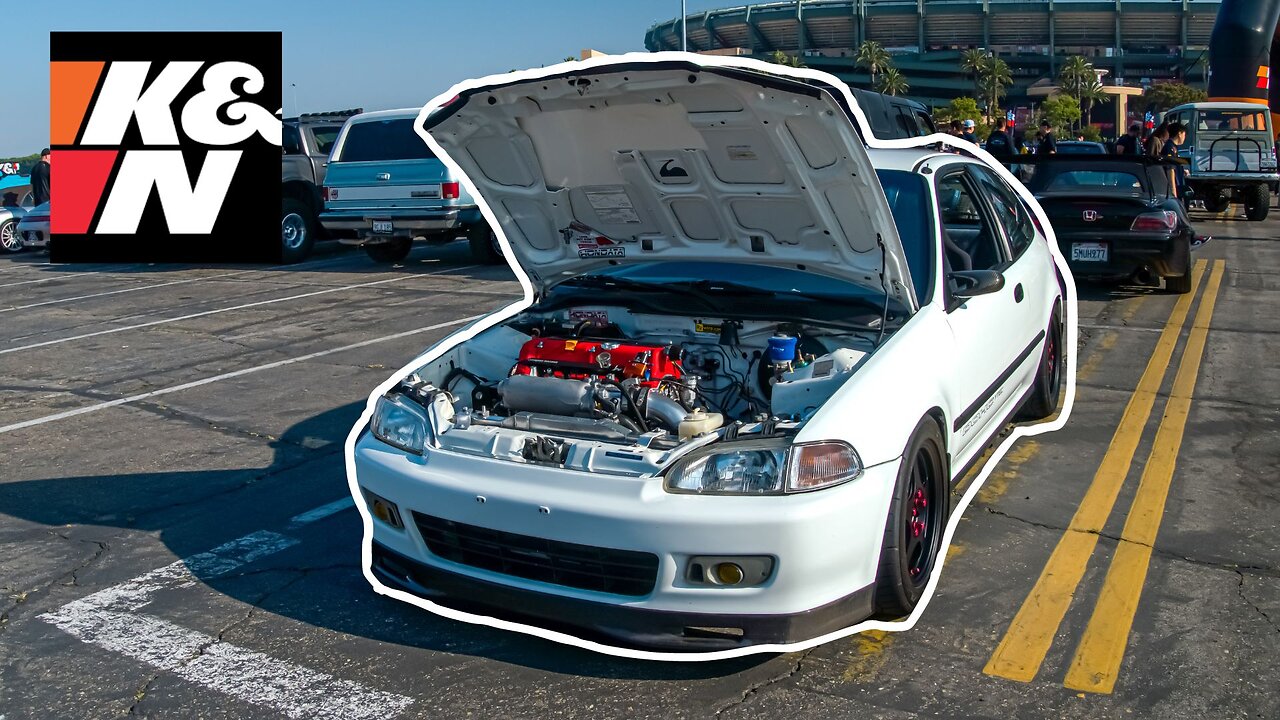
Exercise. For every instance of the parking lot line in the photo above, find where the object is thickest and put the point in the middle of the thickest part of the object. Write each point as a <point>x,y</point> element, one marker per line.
<point>244,306</point>
<point>322,512</point>
<point>136,288</point>
<point>226,376</point>
<point>112,619</point>
<point>1025,644</point>
<point>1097,660</point>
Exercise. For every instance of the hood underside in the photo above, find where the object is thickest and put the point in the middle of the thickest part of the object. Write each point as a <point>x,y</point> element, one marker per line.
<point>672,161</point>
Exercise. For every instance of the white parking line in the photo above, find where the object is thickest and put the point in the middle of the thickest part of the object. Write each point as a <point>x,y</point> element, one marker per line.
<point>124,290</point>
<point>225,376</point>
<point>110,619</point>
<point>322,512</point>
<point>260,303</point>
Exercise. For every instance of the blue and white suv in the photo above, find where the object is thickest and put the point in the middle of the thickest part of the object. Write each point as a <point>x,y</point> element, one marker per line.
<point>386,187</point>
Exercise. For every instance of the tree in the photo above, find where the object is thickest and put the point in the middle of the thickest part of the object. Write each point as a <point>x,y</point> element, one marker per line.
<point>1162,96</point>
<point>995,77</point>
<point>962,108</point>
<point>872,56</point>
<point>893,82</point>
<point>973,61</point>
<point>1091,93</point>
<point>780,58</point>
<point>1076,74</point>
<point>1062,111</point>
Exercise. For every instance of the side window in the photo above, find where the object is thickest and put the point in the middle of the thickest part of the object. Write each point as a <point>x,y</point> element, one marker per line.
<point>290,140</point>
<point>969,237</point>
<point>1010,213</point>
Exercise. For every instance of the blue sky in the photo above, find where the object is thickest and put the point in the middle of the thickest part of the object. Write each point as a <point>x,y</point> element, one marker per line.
<point>376,54</point>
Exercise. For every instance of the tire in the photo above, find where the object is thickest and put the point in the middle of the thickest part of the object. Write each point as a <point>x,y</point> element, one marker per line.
<point>10,238</point>
<point>1257,202</point>
<point>297,231</point>
<point>484,244</point>
<point>1178,285</point>
<point>1045,389</point>
<point>917,519</point>
<point>390,252</point>
<point>1216,201</point>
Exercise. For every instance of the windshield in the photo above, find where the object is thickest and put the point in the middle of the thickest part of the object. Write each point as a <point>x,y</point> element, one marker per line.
<point>734,290</point>
<point>382,140</point>
<point>1232,120</point>
<point>907,194</point>
<point>1095,180</point>
<point>325,137</point>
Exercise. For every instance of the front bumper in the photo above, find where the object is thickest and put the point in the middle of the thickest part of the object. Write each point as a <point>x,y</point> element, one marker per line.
<point>1165,254</point>
<point>825,545</point>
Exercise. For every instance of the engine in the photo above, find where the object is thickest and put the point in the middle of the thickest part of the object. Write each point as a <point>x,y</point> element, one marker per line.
<point>649,365</point>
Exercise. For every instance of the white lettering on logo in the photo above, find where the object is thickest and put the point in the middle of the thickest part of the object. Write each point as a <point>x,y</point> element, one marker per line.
<point>122,97</point>
<point>200,116</point>
<point>188,209</point>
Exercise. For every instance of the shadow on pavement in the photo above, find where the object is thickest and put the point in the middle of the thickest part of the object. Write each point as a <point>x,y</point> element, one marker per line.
<point>319,581</point>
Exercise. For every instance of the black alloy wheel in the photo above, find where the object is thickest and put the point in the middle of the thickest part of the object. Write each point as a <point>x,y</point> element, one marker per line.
<point>917,520</point>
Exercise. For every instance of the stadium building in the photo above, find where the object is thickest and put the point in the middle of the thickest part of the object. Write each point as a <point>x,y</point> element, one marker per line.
<point>1135,42</point>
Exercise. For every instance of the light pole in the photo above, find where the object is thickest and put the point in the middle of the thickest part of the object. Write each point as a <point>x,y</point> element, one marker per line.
<point>295,98</point>
<point>684,30</point>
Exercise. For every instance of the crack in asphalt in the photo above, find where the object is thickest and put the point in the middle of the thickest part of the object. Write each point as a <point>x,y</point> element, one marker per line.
<point>1260,570</point>
<point>141,693</point>
<point>755,688</point>
<point>22,596</point>
<point>1250,603</point>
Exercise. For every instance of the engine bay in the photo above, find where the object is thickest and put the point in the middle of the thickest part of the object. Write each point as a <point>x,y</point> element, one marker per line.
<point>610,390</point>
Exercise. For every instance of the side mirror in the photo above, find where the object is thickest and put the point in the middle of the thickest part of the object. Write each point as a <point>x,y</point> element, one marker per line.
<point>969,283</point>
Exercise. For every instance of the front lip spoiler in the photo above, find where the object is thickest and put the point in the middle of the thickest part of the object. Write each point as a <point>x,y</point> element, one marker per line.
<point>617,625</point>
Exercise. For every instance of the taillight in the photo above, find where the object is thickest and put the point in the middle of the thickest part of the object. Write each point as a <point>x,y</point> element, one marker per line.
<point>328,194</point>
<point>449,190</point>
<point>1157,221</point>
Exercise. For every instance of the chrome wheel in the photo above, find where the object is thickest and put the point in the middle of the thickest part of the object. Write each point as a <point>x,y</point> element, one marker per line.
<point>10,239</point>
<point>293,231</point>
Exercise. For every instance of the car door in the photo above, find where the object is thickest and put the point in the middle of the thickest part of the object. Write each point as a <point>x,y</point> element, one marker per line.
<point>987,334</point>
<point>1028,271</point>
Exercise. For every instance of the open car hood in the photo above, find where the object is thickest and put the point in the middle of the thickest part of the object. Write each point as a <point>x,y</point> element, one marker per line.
<point>671,161</point>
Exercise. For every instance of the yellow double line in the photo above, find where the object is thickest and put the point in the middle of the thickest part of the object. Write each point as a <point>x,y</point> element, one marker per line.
<point>1096,663</point>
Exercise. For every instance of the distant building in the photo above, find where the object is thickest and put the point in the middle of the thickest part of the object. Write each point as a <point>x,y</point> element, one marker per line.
<point>1137,43</point>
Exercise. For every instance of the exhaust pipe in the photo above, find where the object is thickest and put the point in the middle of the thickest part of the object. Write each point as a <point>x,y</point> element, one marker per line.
<point>1144,276</point>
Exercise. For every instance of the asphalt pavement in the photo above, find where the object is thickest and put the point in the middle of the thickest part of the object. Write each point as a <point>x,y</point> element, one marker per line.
<point>178,539</point>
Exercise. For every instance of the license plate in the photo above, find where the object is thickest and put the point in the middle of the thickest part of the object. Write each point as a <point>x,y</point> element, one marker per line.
<point>1089,252</point>
<point>382,227</point>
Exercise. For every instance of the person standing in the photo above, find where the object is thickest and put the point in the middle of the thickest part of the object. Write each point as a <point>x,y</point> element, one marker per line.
<point>967,134</point>
<point>1048,145</point>
<point>40,178</point>
<point>999,143</point>
<point>1128,143</point>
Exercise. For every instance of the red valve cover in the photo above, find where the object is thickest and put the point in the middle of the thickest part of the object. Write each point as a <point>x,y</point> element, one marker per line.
<point>579,359</point>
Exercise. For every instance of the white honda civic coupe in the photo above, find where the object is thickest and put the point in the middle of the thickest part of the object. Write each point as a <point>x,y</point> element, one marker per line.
<point>757,356</point>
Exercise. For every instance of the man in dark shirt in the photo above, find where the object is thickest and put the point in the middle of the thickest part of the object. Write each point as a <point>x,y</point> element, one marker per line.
<point>1048,145</point>
<point>999,144</point>
<point>967,133</point>
<point>1128,143</point>
<point>40,178</point>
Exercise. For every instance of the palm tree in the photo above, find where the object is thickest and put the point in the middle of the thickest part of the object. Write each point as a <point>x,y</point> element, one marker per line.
<point>781,58</point>
<point>972,61</point>
<point>892,82</point>
<point>872,56</point>
<point>1090,93</point>
<point>994,77</point>
<point>1076,73</point>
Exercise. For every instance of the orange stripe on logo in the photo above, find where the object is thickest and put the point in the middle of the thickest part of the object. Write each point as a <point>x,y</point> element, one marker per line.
<point>71,87</point>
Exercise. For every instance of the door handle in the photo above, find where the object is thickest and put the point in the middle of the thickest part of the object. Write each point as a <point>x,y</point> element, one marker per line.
<point>1017,293</point>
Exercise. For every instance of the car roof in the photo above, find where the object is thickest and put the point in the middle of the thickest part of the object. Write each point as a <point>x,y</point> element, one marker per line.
<point>1210,105</point>
<point>902,158</point>
<point>411,113</point>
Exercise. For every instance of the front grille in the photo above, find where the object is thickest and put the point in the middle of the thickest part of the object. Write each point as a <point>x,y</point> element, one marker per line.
<point>622,572</point>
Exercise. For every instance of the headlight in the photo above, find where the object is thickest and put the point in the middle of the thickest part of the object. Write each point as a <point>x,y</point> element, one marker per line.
<point>396,421</point>
<point>765,467</point>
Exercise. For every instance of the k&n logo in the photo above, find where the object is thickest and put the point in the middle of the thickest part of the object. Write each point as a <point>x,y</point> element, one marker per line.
<point>164,146</point>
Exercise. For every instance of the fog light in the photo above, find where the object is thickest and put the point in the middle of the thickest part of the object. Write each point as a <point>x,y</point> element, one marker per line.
<point>738,571</point>
<point>728,574</point>
<point>384,510</point>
